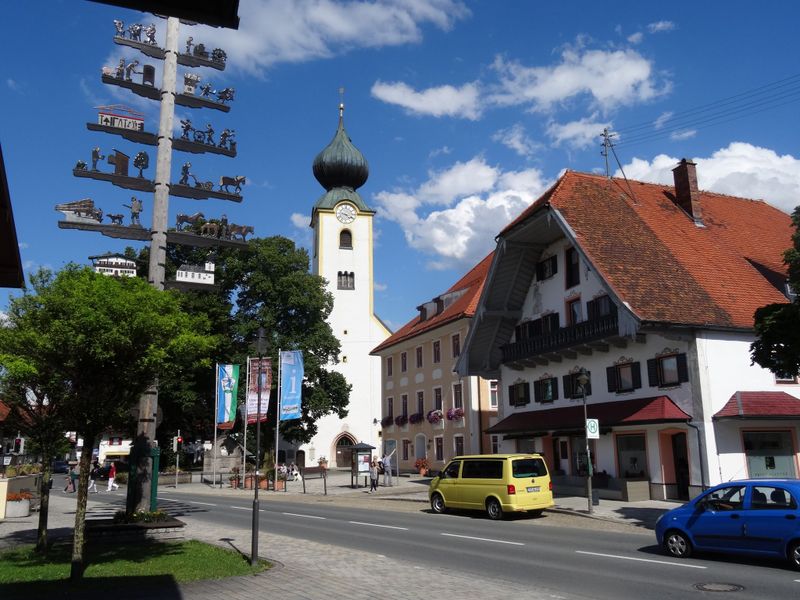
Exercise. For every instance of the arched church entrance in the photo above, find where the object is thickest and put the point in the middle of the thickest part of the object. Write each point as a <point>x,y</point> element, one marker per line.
<point>343,452</point>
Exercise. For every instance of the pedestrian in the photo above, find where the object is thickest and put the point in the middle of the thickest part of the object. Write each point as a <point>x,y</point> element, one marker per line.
<point>387,468</point>
<point>373,475</point>
<point>112,473</point>
<point>93,475</point>
<point>72,478</point>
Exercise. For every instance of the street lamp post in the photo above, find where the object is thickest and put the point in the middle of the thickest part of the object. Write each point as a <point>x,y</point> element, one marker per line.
<point>583,380</point>
<point>256,480</point>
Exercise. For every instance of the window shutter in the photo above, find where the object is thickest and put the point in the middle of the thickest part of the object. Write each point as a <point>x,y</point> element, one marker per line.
<point>683,369</point>
<point>553,264</point>
<point>591,312</point>
<point>537,391</point>
<point>512,397</point>
<point>555,387</point>
<point>527,393</point>
<point>652,372</point>
<point>589,384</point>
<point>611,376</point>
<point>636,371</point>
<point>568,390</point>
<point>539,271</point>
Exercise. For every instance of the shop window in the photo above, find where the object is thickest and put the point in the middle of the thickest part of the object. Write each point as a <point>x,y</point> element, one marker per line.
<point>631,455</point>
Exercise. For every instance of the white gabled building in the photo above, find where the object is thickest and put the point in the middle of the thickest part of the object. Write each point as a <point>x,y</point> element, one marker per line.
<point>343,255</point>
<point>651,289</point>
<point>116,265</point>
<point>202,275</point>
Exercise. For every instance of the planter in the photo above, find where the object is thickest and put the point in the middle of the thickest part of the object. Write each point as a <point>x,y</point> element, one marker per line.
<point>423,472</point>
<point>18,508</point>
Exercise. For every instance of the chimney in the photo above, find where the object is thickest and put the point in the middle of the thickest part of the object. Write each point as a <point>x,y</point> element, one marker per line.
<point>687,195</point>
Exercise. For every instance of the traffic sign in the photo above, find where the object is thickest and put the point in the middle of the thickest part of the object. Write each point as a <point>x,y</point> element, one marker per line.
<point>593,429</point>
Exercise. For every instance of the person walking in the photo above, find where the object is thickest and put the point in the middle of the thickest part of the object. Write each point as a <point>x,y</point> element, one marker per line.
<point>387,468</point>
<point>112,473</point>
<point>373,475</point>
<point>72,479</point>
<point>93,475</point>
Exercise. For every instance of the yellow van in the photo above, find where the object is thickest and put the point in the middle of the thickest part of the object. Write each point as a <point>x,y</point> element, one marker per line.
<point>496,483</point>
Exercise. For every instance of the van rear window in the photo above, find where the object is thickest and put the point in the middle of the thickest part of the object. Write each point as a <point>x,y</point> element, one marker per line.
<point>528,467</point>
<point>482,469</point>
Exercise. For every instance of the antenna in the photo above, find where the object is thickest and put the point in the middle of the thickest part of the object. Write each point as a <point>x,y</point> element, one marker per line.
<point>609,145</point>
<point>341,102</point>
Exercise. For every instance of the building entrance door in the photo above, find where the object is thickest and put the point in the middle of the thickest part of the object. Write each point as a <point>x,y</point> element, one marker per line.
<point>680,458</point>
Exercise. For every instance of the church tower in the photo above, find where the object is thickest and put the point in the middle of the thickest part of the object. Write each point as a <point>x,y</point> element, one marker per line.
<point>343,255</point>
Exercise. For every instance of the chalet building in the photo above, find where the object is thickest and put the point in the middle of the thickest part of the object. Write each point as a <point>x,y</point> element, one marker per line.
<point>651,289</point>
<point>115,265</point>
<point>429,411</point>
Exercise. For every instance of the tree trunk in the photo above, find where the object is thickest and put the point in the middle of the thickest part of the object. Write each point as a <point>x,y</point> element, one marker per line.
<point>44,506</point>
<point>79,541</point>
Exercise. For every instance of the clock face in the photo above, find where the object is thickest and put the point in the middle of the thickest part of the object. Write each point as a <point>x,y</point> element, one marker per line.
<point>346,213</point>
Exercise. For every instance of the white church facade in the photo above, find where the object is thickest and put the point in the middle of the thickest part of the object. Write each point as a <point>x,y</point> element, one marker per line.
<point>343,255</point>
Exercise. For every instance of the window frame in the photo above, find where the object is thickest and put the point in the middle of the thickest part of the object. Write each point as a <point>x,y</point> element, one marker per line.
<point>614,378</point>
<point>539,390</point>
<point>438,401</point>
<point>342,234</point>
<point>655,370</point>
<point>390,406</point>
<point>389,366</point>
<point>418,357</point>
<point>494,394</point>
<point>404,404</point>
<point>572,387</point>
<point>456,439</point>
<point>574,316</point>
<point>458,398</point>
<point>438,447</point>
<point>403,362</point>
<point>436,351</point>
<point>572,270</point>
<point>455,344</point>
<point>421,402</point>
<point>519,393</point>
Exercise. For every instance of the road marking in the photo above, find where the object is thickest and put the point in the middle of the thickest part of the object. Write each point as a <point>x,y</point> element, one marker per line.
<point>196,502</point>
<point>304,516</point>
<point>659,562</point>
<point>377,525</point>
<point>480,539</point>
<point>239,507</point>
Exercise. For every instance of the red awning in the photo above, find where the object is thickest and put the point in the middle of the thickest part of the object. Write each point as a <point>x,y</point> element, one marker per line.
<point>760,405</point>
<point>622,412</point>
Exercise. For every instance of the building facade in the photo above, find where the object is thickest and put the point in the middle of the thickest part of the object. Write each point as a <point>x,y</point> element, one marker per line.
<point>651,290</point>
<point>116,265</point>
<point>430,411</point>
<point>343,256</point>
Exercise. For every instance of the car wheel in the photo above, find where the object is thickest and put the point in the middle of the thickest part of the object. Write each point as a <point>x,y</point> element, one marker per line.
<point>677,544</point>
<point>493,509</point>
<point>794,555</point>
<point>437,504</point>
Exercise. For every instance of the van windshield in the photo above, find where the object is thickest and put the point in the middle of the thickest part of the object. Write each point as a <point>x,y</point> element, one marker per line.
<point>528,467</point>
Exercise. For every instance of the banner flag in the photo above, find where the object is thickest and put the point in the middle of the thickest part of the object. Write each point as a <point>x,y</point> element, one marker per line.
<point>227,389</point>
<point>252,388</point>
<point>291,384</point>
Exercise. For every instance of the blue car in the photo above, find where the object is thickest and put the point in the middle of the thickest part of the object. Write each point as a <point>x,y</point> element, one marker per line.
<point>755,516</point>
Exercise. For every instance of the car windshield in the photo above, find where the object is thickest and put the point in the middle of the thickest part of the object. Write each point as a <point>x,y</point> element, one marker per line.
<point>528,467</point>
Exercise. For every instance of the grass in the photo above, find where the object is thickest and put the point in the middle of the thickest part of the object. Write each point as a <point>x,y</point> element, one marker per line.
<point>182,562</point>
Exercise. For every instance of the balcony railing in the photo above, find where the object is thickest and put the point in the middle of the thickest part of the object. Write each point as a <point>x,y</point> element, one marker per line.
<point>565,337</point>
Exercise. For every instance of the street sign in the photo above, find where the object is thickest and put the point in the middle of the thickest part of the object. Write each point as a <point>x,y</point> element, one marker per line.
<point>593,429</point>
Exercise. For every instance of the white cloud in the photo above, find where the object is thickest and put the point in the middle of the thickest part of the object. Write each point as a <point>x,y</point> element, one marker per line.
<point>461,234</point>
<point>517,139</point>
<point>461,179</point>
<point>13,85</point>
<point>683,134</point>
<point>23,245</point>
<point>662,119</point>
<point>636,38</point>
<point>380,287</point>
<point>659,26</point>
<point>277,31</point>
<point>577,134</point>
<point>437,151</point>
<point>441,101</point>
<point>740,169</point>
<point>300,220</point>
<point>610,78</point>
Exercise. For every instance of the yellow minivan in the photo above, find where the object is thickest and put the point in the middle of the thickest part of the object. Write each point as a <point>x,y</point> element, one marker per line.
<point>496,483</point>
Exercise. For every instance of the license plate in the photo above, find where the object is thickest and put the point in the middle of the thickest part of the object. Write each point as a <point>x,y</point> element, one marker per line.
<point>534,488</point>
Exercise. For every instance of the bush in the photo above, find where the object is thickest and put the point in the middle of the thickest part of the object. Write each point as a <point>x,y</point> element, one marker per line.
<point>121,478</point>
<point>141,516</point>
<point>11,471</point>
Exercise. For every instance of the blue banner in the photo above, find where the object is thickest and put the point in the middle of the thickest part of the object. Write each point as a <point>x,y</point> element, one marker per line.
<point>291,384</point>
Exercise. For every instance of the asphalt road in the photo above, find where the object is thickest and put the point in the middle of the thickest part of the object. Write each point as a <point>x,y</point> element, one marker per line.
<point>573,555</point>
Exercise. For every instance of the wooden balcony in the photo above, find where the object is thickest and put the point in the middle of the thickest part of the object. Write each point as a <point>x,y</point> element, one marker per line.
<point>583,338</point>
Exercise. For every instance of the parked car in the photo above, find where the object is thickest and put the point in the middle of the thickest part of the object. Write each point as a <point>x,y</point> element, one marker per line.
<point>60,466</point>
<point>753,517</point>
<point>496,483</point>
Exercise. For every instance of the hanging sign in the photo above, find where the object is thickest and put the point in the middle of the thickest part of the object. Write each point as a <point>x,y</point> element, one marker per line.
<point>291,384</point>
<point>252,388</point>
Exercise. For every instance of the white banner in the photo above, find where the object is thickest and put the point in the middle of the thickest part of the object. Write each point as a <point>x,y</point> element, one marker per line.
<point>252,388</point>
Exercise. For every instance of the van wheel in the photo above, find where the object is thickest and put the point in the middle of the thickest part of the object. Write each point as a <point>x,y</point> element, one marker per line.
<point>493,509</point>
<point>437,504</point>
<point>794,555</point>
<point>677,544</point>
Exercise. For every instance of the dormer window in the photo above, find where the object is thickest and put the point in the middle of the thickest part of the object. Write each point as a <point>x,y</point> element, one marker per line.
<point>346,239</point>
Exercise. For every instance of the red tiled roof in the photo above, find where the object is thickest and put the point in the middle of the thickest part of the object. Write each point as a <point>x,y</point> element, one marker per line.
<point>464,306</point>
<point>4,410</point>
<point>664,266</point>
<point>764,405</point>
<point>659,409</point>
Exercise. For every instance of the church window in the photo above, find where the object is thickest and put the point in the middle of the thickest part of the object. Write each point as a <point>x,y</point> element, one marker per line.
<point>346,239</point>
<point>346,280</point>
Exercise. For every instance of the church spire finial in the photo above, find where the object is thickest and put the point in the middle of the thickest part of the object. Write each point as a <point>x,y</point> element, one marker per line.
<point>341,103</point>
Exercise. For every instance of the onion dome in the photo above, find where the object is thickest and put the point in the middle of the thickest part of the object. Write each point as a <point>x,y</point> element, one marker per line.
<point>341,164</point>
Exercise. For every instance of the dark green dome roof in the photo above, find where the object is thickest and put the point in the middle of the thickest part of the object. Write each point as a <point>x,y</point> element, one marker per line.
<point>341,164</point>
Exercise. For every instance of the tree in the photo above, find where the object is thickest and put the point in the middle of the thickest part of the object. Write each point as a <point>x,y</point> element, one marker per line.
<point>141,161</point>
<point>98,343</point>
<point>777,345</point>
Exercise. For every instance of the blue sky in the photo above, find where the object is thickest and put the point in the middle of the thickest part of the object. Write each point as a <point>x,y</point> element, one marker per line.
<point>466,112</point>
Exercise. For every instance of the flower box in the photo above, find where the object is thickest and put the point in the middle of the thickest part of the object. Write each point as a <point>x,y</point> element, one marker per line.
<point>435,416</point>
<point>416,418</point>
<point>18,508</point>
<point>455,413</point>
<point>400,420</point>
<point>387,421</point>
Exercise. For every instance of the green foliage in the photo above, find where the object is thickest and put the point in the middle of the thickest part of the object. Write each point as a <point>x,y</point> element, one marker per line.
<point>141,516</point>
<point>777,346</point>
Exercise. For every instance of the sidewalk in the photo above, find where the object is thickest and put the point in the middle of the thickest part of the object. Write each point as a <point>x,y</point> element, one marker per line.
<point>306,570</point>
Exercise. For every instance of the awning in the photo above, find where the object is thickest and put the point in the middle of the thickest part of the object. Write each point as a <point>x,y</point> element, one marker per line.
<point>120,452</point>
<point>642,411</point>
<point>760,405</point>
